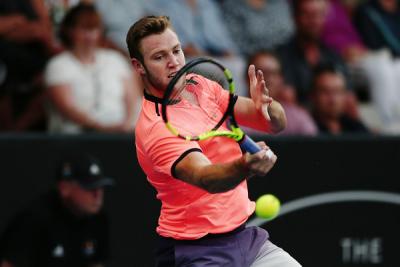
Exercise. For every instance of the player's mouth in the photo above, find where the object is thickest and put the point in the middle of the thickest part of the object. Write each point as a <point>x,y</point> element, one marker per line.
<point>172,75</point>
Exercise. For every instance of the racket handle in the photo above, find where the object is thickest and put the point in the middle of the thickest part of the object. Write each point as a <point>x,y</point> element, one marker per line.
<point>248,145</point>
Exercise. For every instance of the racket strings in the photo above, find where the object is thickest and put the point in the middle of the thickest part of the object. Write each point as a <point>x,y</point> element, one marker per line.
<point>184,91</point>
<point>197,88</point>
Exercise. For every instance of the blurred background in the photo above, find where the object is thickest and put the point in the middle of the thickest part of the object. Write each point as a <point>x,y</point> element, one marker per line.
<point>66,84</point>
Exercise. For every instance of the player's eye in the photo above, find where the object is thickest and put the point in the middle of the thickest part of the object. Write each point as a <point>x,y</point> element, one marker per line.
<point>177,51</point>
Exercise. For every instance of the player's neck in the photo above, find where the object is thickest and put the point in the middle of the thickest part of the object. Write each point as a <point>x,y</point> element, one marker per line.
<point>151,90</point>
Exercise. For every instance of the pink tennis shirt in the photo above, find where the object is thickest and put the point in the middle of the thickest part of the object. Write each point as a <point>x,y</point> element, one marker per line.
<point>187,211</point>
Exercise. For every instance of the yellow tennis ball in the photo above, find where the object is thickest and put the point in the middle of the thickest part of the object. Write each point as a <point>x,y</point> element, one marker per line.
<point>267,206</point>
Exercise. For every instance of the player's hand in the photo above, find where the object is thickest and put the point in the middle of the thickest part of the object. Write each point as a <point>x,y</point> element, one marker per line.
<point>261,162</point>
<point>259,92</point>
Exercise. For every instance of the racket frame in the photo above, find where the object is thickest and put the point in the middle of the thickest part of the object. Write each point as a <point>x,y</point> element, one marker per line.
<point>235,132</point>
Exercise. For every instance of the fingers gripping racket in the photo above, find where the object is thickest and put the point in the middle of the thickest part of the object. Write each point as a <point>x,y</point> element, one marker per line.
<point>199,100</point>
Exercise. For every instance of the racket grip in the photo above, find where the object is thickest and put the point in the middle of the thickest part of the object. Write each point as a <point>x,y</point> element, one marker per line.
<point>248,145</point>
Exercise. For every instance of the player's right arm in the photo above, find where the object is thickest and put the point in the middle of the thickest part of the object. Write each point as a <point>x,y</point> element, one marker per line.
<point>196,169</point>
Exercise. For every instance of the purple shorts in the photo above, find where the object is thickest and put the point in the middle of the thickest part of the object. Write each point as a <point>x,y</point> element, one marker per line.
<point>237,248</point>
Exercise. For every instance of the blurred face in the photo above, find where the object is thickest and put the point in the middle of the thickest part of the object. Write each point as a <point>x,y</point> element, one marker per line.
<point>329,95</point>
<point>87,32</point>
<point>271,69</point>
<point>81,200</point>
<point>311,18</point>
<point>389,5</point>
<point>162,58</point>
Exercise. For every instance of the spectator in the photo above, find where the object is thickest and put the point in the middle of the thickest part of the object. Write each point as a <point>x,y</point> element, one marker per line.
<point>378,23</point>
<point>305,51</point>
<point>258,24</point>
<point>91,89</point>
<point>64,227</point>
<point>340,34</point>
<point>26,43</point>
<point>328,99</point>
<point>299,121</point>
<point>202,31</point>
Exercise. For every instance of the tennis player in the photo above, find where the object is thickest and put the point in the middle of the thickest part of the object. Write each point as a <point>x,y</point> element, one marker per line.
<point>202,185</point>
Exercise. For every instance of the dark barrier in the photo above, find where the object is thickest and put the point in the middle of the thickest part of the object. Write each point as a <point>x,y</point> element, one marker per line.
<point>340,196</point>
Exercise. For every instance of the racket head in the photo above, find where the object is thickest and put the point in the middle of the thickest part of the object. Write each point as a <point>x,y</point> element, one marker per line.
<point>192,88</point>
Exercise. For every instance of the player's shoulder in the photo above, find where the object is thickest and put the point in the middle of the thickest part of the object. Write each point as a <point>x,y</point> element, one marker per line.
<point>149,124</point>
<point>149,128</point>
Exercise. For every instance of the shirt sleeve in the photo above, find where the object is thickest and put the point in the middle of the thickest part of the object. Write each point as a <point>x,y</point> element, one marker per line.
<point>164,148</point>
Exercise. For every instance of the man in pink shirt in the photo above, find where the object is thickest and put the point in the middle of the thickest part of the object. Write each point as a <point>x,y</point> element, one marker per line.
<point>202,185</point>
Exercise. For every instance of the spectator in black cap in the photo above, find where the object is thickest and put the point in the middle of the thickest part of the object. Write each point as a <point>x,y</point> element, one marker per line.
<point>65,227</point>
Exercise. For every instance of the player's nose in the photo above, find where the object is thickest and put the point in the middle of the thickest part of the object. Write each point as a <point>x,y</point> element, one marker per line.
<point>173,61</point>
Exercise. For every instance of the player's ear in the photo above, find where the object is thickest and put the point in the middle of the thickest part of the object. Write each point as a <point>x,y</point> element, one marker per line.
<point>138,66</point>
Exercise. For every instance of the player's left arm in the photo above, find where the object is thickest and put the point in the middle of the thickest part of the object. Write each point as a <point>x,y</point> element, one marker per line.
<point>259,112</point>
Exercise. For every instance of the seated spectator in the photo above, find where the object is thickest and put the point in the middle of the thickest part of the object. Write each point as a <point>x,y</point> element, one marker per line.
<point>378,23</point>
<point>299,121</point>
<point>112,12</point>
<point>90,88</point>
<point>26,43</point>
<point>258,24</point>
<point>64,227</point>
<point>305,50</point>
<point>203,32</point>
<point>340,34</point>
<point>328,101</point>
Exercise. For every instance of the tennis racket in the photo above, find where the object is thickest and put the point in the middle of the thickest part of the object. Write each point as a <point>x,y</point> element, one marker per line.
<point>199,104</point>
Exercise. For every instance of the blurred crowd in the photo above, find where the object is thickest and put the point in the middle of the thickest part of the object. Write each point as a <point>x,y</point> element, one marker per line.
<point>333,64</point>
